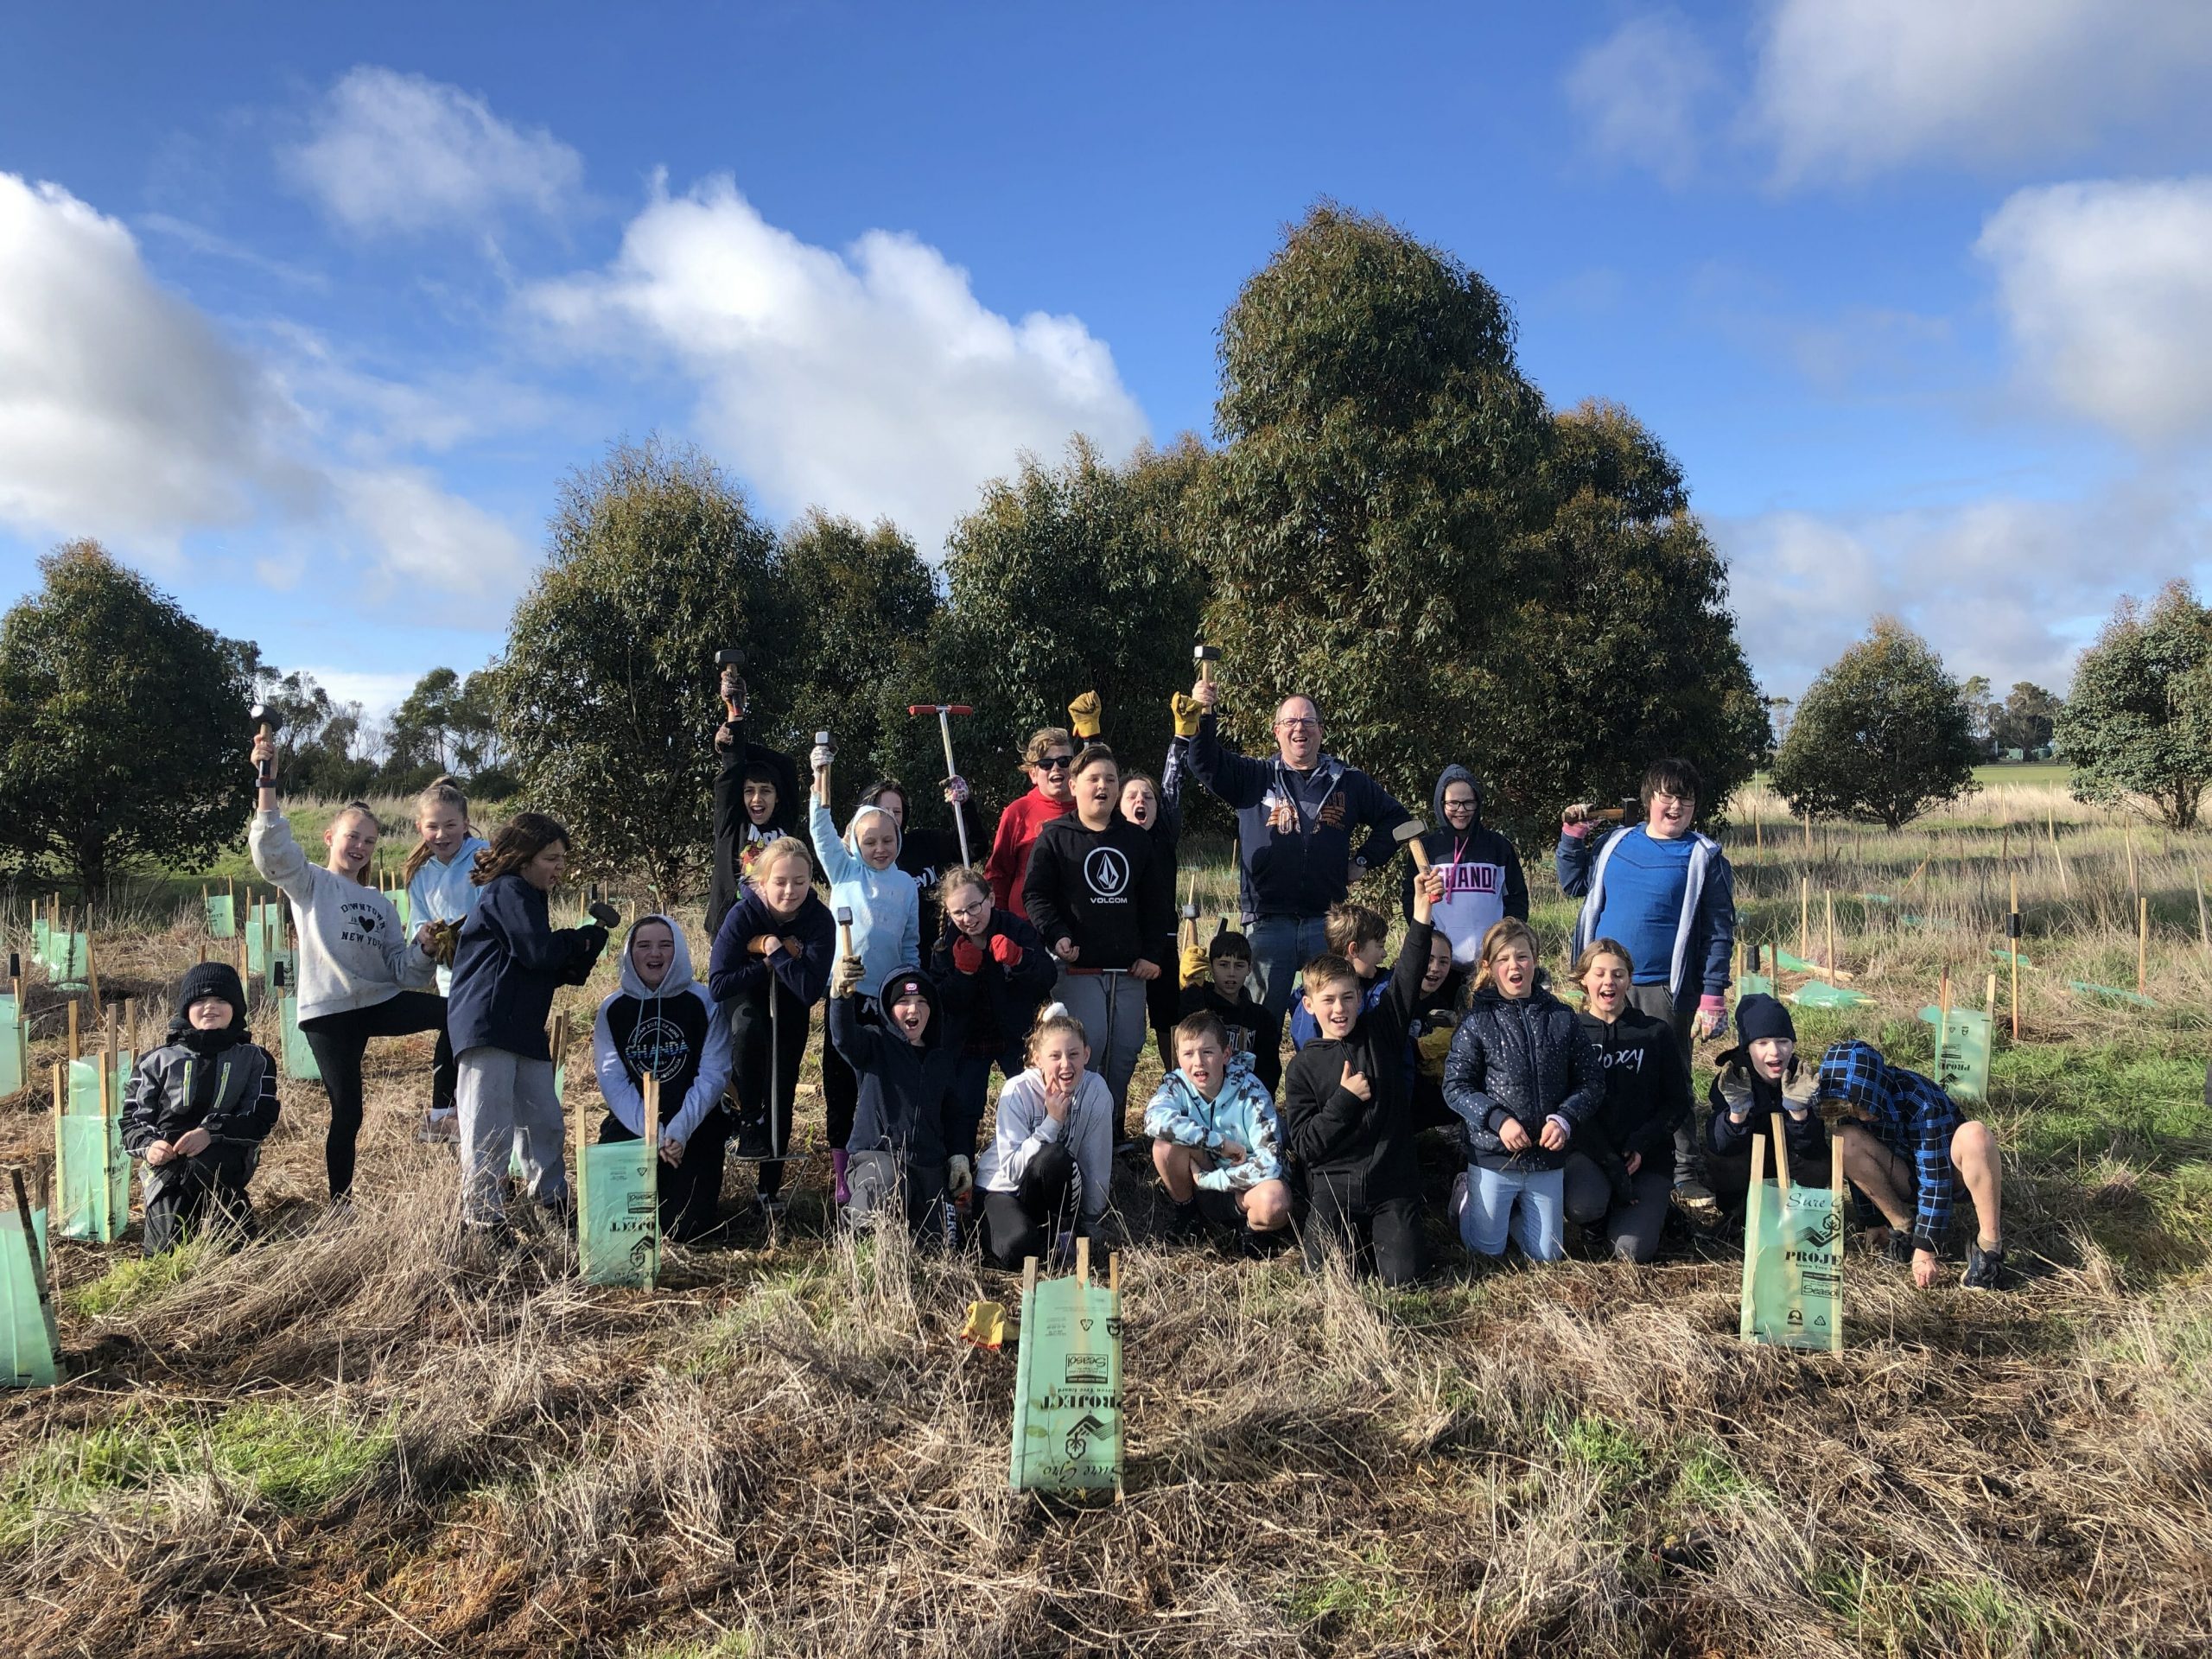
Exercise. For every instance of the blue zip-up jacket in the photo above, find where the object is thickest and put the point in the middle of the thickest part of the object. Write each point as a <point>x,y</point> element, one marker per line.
<point>887,904</point>
<point>1293,829</point>
<point>1704,934</point>
<point>1241,1112</point>
<point>508,963</point>
<point>441,892</point>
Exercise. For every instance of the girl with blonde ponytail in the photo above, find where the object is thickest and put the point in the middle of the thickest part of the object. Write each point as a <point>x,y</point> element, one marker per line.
<point>438,893</point>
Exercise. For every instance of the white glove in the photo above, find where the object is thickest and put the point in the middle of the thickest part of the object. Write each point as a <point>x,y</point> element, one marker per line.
<point>959,1176</point>
<point>955,790</point>
<point>822,756</point>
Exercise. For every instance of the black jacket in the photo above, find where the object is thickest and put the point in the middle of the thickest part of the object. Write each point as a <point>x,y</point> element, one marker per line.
<point>926,854</point>
<point>904,1105</point>
<point>1105,889</point>
<point>1647,1092</point>
<point>1767,1107</point>
<point>733,972</point>
<point>508,963</point>
<point>229,1089</point>
<point>1330,1132</point>
<point>1252,1029</point>
<point>1002,1002</point>
<point>731,764</point>
<point>1526,1058</point>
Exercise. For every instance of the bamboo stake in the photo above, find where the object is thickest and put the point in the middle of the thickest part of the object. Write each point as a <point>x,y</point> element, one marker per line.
<point>2012,940</point>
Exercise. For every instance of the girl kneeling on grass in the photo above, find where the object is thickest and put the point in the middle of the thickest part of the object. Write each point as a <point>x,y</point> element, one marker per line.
<point>1045,1175</point>
<point>359,976</point>
<point>509,961</point>
<point>1522,1077</point>
<point>661,1023</point>
<point>438,893</point>
<point>1622,1166</point>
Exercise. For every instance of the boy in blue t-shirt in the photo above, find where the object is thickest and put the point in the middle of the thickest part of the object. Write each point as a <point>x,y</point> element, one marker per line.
<point>1666,892</point>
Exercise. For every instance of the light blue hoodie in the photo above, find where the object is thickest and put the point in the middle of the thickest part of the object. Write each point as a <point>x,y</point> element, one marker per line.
<point>1241,1112</point>
<point>885,904</point>
<point>441,892</point>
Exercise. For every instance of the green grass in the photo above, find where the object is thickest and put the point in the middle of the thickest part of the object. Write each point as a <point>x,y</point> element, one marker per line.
<point>293,1457</point>
<point>1604,1447</point>
<point>1706,1480</point>
<point>135,1280</point>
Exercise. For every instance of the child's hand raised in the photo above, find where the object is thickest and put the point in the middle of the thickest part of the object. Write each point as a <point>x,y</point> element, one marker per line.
<point>264,749</point>
<point>848,979</point>
<point>1356,1083</point>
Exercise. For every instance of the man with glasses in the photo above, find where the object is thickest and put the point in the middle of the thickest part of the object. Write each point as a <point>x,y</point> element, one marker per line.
<point>1296,814</point>
<point>1052,795</point>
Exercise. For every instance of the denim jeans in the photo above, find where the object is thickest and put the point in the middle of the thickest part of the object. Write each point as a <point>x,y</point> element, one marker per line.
<point>1527,1203</point>
<point>1280,946</point>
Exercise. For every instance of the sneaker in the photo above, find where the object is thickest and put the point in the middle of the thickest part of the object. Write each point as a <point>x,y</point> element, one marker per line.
<point>1695,1199</point>
<point>1986,1269</point>
<point>1124,1146</point>
<point>1457,1204</point>
<point>751,1138</point>
<point>1898,1248</point>
<point>1185,1221</point>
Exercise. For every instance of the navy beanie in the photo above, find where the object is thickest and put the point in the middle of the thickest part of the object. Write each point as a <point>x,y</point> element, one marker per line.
<point>1761,1016</point>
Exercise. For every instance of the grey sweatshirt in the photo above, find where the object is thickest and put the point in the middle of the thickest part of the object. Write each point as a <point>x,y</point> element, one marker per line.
<point>352,953</point>
<point>1026,1129</point>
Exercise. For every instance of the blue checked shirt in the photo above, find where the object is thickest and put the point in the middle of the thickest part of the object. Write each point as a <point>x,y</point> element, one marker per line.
<point>1911,1116</point>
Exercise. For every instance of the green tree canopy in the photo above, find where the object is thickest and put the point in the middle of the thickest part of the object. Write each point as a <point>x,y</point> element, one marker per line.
<point>1064,580</point>
<point>1399,528</point>
<point>2027,718</point>
<point>871,606</point>
<point>124,733</point>
<point>1883,734</point>
<point>2138,722</point>
<point>605,696</point>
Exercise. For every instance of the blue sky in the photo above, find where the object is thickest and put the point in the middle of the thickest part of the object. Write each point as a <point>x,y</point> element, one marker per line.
<point>305,311</point>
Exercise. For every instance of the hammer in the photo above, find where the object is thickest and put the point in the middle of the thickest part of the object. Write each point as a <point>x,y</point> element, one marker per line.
<point>1205,657</point>
<point>844,930</point>
<point>944,712</point>
<point>268,720</point>
<point>730,657</point>
<point>1409,835</point>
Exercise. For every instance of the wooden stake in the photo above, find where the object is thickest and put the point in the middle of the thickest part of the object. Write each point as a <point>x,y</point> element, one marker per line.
<point>38,1266</point>
<point>1828,900</point>
<point>1805,916</point>
<point>91,972</point>
<point>1759,831</point>
<point>1989,997</point>
<point>76,1041</point>
<point>2142,946</point>
<point>2134,878</point>
<point>2012,943</point>
<point>2203,928</point>
<point>1083,1260</point>
<point>1781,1163</point>
<point>1836,1197</point>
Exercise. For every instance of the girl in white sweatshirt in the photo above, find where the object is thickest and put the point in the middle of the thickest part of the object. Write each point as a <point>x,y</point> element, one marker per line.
<point>360,975</point>
<point>1047,1171</point>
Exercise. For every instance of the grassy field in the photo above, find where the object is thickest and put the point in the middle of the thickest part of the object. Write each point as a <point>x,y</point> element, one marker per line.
<point>364,1435</point>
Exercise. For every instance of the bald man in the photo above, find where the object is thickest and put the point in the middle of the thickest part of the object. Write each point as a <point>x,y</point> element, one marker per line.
<point>1297,812</point>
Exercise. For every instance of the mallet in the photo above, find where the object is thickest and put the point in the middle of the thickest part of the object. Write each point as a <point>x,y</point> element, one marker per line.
<point>267,719</point>
<point>731,658</point>
<point>944,712</point>
<point>1409,835</point>
<point>844,930</point>
<point>822,771</point>
<point>1205,657</point>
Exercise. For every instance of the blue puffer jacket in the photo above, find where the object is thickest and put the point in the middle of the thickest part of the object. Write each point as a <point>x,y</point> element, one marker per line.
<point>1525,1058</point>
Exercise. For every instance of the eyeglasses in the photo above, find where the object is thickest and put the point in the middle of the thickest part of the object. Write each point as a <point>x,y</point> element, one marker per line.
<point>1056,763</point>
<point>1298,723</point>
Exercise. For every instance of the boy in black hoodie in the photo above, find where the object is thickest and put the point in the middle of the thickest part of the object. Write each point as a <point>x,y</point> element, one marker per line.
<point>905,1106</point>
<point>1347,1109</point>
<point>1761,1090</point>
<point>197,1109</point>
<point>1225,995</point>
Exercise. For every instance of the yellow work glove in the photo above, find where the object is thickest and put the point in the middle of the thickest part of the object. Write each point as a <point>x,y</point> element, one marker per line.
<point>1198,966</point>
<point>1083,716</point>
<point>1187,710</point>
<point>1432,1047</point>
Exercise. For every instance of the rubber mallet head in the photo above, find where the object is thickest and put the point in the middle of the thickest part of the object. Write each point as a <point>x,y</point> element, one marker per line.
<point>1410,833</point>
<point>1205,657</point>
<point>729,657</point>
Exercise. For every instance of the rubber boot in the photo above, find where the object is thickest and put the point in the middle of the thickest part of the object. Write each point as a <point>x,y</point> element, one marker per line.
<point>837,1162</point>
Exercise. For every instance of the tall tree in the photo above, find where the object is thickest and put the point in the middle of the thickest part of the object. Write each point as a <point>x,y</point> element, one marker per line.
<point>123,731</point>
<point>870,605</point>
<point>2025,719</point>
<point>605,693</point>
<point>323,745</point>
<point>2138,722</point>
<point>424,733</point>
<point>1883,734</point>
<point>1399,528</point>
<point>1070,579</point>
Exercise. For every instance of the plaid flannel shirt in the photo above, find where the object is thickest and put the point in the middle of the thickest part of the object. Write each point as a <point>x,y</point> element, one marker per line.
<point>1910,1115</point>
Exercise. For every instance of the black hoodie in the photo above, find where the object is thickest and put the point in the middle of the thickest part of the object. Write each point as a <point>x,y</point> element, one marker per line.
<point>1483,881</point>
<point>1647,1092</point>
<point>740,756</point>
<point>1105,889</point>
<point>1330,1131</point>
<point>906,1101</point>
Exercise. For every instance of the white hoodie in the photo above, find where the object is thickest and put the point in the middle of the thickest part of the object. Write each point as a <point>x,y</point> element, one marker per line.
<point>352,953</point>
<point>1025,1128</point>
<point>623,1097</point>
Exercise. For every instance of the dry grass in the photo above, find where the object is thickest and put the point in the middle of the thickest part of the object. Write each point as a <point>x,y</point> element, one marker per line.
<point>363,1435</point>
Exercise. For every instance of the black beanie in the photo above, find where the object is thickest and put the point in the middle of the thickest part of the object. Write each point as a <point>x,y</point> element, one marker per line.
<point>1761,1016</point>
<point>208,979</point>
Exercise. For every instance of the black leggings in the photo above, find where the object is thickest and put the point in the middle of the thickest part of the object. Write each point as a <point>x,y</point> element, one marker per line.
<point>1385,1235</point>
<point>690,1193</point>
<point>1022,1223</point>
<point>750,1027</point>
<point>338,1042</point>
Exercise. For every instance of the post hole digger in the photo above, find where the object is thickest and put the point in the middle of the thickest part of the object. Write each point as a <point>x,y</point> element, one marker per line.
<point>944,712</point>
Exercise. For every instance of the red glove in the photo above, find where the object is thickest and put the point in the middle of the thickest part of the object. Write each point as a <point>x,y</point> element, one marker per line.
<point>1005,951</point>
<point>967,955</point>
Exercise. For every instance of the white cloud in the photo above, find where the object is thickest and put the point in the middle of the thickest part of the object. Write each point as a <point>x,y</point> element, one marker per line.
<point>402,153</point>
<point>1639,90</point>
<point>1852,90</point>
<point>2009,588</point>
<point>869,383</point>
<point>378,694</point>
<point>2106,289</point>
<point>125,415</point>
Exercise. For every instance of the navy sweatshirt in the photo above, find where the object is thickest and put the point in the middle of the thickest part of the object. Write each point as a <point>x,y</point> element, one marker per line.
<point>1294,830</point>
<point>1002,1002</point>
<point>905,1105</point>
<point>734,971</point>
<point>509,961</point>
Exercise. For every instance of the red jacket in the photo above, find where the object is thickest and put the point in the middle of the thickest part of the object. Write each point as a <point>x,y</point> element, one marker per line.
<point>1009,864</point>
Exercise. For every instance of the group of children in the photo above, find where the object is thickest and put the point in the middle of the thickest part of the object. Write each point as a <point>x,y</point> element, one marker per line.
<point>1049,963</point>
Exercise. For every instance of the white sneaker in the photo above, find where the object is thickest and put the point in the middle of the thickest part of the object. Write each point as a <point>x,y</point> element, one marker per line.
<point>439,1126</point>
<point>1458,1203</point>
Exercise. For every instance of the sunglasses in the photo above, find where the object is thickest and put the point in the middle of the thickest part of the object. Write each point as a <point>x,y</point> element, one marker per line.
<point>1056,763</point>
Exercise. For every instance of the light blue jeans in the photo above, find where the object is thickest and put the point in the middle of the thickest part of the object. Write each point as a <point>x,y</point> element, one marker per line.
<point>1280,946</point>
<point>1491,1203</point>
